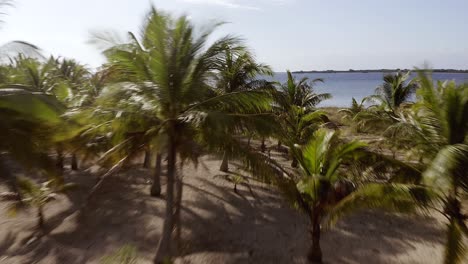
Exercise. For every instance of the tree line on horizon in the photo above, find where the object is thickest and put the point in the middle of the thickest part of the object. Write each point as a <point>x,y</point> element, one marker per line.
<point>170,94</point>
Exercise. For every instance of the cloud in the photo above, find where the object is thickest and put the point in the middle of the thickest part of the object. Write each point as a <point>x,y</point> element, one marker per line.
<point>225,3</point>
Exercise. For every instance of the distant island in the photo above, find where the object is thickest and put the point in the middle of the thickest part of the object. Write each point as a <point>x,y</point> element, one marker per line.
<point>381,70</point>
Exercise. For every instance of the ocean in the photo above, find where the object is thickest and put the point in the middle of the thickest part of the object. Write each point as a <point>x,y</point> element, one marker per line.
<point>345,85</point>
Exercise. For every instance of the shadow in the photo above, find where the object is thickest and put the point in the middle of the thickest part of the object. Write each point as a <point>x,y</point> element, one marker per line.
<point>254,225</point>
<point>380,236</point>
<point>120,213</point>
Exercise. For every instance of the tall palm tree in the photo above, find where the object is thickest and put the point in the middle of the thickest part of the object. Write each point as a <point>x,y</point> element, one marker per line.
<point>170,69</point>
<point>237,71</point>
<point>295,106</point>
<point>324,192</point>
<point>438,128</point>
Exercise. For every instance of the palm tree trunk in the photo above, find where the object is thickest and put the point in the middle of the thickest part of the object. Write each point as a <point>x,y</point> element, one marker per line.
<point>177,213</point>
<point>452,209</point>
<point>224,164</point>
<point>294,163</point>
<point>40,218</point>
<point>263,146</point>
<point>163,252</point>
<point>147,161</point>
<point>59,161</point>
<point>10,178</point>
<point>315,252</point>
<point>156,186</point>
<point>74,162</point>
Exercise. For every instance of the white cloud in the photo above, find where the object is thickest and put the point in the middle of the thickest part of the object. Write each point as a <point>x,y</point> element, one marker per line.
<point>243,4</point>
<point>225,3</point>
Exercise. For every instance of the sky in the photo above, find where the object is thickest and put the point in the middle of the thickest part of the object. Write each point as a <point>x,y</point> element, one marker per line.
<point>286,34</point>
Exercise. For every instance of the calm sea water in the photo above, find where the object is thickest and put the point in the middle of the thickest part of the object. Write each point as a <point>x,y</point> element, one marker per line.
<point>344,86</point>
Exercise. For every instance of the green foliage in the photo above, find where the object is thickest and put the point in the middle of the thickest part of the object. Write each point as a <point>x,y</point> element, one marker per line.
<point>355,109</point>
<point>394,92</point>
<point>295,107</point>
<point>27,119</point>
<point>437,128</point>
<point>35,195</point>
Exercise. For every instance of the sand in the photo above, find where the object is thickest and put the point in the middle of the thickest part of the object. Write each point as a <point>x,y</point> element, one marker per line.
<point>254,225</point>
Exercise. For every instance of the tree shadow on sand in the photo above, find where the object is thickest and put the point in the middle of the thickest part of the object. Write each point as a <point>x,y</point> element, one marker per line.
<point>268,231</point>
<point>121,212</point>
<point>219,226</point>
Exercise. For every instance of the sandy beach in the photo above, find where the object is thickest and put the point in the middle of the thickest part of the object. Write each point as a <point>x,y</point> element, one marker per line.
<point>254,225</point>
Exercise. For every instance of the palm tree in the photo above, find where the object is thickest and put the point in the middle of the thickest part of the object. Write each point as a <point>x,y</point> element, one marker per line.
<point>237,71</point>
<point>169,69</point>
<point>26,118</point>
<point>295,107</point>
<point>391,98</point>
<point>71,80</point>
<point>34,75</point>
<point>394,92</point>
<point>325,193</point>
<point>35,195</point>
<point>438,128</point>
<point>14,48</point>
<point>299,93</point>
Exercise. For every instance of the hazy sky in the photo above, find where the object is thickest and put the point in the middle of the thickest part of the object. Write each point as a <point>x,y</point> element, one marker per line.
<point>287,34</point>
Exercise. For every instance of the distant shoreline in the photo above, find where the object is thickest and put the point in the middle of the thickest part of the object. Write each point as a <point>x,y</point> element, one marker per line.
<point>382,70</point>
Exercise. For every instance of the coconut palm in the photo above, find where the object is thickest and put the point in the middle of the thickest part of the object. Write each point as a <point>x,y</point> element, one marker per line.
<point>391,98</point>
<point>394,92</point>
<point>325,193</point>
<point>169,68</point>
<point>35,195</point>
<point>438,129</point>
<point>355,109</point>
<point>237,71</point>
<point>295,107</point>
<point>299,93</point>
<point>26,119</point>
<point>34,75</point>
<point>14,48</point>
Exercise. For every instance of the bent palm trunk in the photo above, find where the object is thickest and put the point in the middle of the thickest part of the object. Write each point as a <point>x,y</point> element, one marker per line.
<point>156,186</point>
<point>224,164</point>
<point>163,252</point>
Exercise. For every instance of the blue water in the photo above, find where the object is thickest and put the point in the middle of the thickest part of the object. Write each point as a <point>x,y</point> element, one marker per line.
<point>344,86</point>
